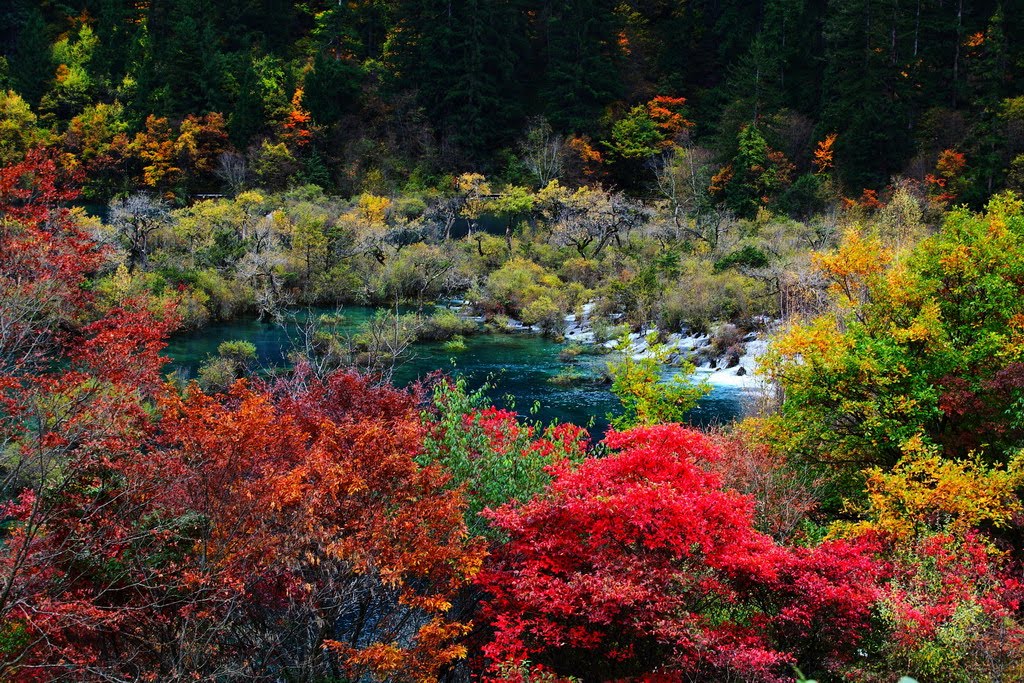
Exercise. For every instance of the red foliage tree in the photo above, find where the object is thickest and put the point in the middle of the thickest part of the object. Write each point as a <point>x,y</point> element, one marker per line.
<point>44,257</point>
<point>44,260</point>
<point>267,534</point>
<point>668,115</point>
<point>640,565</point>
<point>67,436</point>
<point>256,536</point>
<point>296,128</point>
<point>73,402</point>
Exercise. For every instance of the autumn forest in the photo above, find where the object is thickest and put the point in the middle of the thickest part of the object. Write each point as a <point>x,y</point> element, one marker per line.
<point>771,253</point>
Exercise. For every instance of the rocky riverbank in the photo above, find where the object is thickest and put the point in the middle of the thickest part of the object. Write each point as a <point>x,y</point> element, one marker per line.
<point>725,357</point>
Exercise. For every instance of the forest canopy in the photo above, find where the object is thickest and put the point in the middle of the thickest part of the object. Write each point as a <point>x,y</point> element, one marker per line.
<point>389,94</point>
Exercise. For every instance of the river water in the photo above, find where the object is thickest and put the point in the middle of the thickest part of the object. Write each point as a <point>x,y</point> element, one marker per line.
<point>518,366</point>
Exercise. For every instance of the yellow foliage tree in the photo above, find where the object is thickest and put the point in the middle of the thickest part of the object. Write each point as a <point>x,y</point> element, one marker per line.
<point>926,493</point>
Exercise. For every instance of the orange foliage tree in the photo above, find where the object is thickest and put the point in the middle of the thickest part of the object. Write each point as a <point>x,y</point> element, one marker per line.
<point>155,150</point>
<point>824,154</point>
<point>256,536</point>
<point>667,114</point>
<point>583,162</point>
<point>297,126</point>
<point>946,183</point>
<point>200,142</point>
<point>186,155</point>
<point>271,533</point>
<point>98,140</point>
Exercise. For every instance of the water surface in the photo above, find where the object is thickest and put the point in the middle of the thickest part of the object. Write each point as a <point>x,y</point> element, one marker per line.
<point>518,366</point>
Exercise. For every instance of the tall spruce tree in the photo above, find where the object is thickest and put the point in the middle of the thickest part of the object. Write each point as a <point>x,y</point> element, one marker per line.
<point>247,115</point>
<point>183,70</point>
<point>332,85</point>
<point>117,23</point>
<point>31,65</point>
<point>461,59</point>
<point>579,52</point>
<point>862,93</point>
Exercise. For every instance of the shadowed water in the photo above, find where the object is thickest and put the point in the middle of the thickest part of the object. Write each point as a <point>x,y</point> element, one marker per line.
<point>519,366</point>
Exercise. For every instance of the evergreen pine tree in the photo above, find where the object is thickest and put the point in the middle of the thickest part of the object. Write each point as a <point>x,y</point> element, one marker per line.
<point>116,27</point>
<point>332,85</point>
<point>31,65</point>
<point>183,73</point>
<point>861,94</point>
<point>580,39</point>
<point>461,60</point>
<point>483,97</point>
<point>247,115</point>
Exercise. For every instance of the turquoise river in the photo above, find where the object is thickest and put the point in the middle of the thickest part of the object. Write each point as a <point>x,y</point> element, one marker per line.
<point>518,366</point>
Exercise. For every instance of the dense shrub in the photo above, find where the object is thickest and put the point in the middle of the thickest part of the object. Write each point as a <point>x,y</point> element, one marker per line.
<point>640,564</point>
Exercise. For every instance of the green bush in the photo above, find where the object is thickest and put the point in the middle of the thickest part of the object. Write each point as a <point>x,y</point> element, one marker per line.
<point>240,351</point>
<point>227,298</point>
<point>490,454</point>
<point>546,313</point>
<point>570,352</point>
<point>217,374</point>
<point>527,290</point>
<point>336,285</point>
<point>234,359</point>
<point>190,304</point>
<point>568,377</point>
<point>747,257</point>
<point>646,398</point>
<point>444,324</point>
<point>701,298</point>
<point>456,344</point>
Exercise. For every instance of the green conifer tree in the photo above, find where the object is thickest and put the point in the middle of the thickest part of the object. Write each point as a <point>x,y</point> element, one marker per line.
<point>31,65</point>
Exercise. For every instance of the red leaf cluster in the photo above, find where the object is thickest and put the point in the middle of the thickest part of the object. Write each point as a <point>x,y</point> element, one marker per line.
<point>210,539</point>
<point>667,114</point>
<point>640,563</point>
<point>44,256</point>
<point>945,182</point>
<point>157,536</point>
